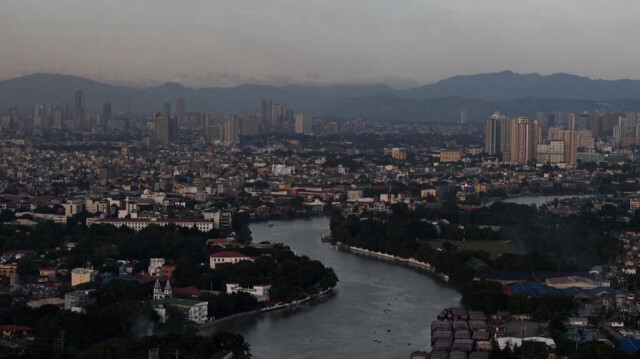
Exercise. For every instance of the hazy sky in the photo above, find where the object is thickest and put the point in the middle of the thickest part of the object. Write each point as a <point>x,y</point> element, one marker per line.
<point>399,42</point>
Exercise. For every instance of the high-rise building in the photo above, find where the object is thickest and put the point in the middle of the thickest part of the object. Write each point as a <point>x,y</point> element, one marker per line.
<point>551,120</point>
<point>524,138</point>
<point>38,117</point>
<point>14,117</point>
<point>333,128</point>
<point>266,113</point>
<point>570,139</point>
<point>495,135</point>
<point>553,133</point>
<point>79,101</point>
<point>586,141</point>
<point>463,117</point>
<point>166,109</point>
<point>106,116</point>
<point>57,118</point>
<point>181,112</point>
<point>166,130</point>
<point>288,122</point>
<point>232,130</point>
<point>79,115</point>
<point>557,119</point>
<point>552,152</point>
<point>304,124</point>
<point>277,116</point>
<point>251,126</point>
<point>214,132</point>
<point>572,122</point>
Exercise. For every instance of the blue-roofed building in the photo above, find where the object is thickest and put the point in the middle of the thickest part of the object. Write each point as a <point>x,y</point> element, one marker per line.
<point>629,345</point>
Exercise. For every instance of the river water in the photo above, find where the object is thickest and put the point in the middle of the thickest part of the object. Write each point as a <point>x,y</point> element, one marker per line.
<point>378,310</point>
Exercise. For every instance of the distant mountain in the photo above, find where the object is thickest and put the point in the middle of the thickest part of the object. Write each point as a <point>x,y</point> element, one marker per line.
<point>480,95</point>
<point>447,109</point>
<point>510,85</point>
<point>50,89</point>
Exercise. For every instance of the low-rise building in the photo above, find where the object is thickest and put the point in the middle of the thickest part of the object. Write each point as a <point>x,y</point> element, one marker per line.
<point>82,275</point>
<point>260,291</point>
<point>450,156</point>
<point>194,311</point>
<point>137,224</point>
<point>6,270</point>
<point>155,265</point>
<point>76,301</point>
<point>227,257</point>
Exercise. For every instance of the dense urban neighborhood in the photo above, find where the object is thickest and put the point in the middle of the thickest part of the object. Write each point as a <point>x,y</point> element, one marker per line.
<point>122,229</point>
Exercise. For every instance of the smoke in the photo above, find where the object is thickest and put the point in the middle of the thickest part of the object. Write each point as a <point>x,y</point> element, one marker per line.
<point>142,326</point>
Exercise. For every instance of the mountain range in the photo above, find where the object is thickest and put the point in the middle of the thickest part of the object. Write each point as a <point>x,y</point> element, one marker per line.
<point>480,95</point>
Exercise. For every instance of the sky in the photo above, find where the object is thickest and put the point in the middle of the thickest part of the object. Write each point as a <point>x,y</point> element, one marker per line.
<point>403,43</point>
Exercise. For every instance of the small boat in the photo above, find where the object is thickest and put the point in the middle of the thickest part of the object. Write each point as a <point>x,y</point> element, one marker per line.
<point>270,225</point>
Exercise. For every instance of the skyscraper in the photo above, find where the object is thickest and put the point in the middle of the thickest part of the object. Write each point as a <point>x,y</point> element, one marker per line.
<point>57,118</point>
<point>570,139</point>
<point>232,129</point>
<point>166,129</point>
<point>78,115</point>
<point>106,116</point>
<point>463,117</point>
<point>79,101</point>
<point>266,114</point>
<point>38,117</point>
<point>494,134</point>
<point>181,112</point>
<point>304,124</point>
<point>166,109</point>
<point>525,134</point>
<point>572,122</point>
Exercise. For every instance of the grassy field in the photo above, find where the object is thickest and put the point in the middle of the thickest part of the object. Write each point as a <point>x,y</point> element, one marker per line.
<point>495,248</point>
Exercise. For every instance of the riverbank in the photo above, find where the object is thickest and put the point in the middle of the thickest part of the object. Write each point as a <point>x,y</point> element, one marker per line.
<point>278,306</point>
<point>412,262</point>
<point>374,312</point>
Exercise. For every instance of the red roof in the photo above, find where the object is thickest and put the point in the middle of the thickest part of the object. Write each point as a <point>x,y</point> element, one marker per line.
<point>190,290</point>
<point>228,255</point>
<point>223,241</point>
<point>14,327</point>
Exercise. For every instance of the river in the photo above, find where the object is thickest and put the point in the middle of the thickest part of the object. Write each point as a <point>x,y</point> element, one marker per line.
<point>378,310</point>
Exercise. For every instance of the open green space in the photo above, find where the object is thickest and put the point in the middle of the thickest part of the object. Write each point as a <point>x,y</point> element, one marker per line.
<point>495,248</point>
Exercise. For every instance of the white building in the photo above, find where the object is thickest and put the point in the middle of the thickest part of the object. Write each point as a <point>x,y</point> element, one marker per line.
<point>137,224</point>
<point>227,257</point>
<point>155,264</point>
<point>159,293</point>
<point>260,291</point>
<point>193,310</point>
<point>76,301</point>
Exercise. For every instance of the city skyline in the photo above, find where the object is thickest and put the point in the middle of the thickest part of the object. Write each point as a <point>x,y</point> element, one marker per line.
<point>203,44</point>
